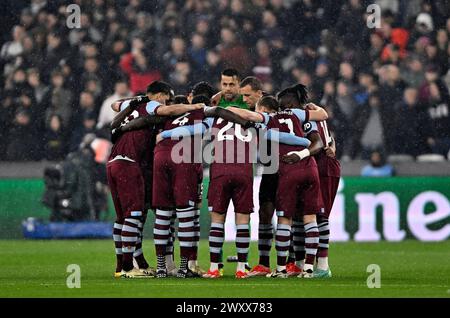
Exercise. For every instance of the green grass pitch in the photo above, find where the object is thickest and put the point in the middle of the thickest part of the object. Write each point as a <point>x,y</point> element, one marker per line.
<point>38,269</point>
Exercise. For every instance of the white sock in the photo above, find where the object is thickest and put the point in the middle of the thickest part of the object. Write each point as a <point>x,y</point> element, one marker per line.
<point>214,266</point>
<point>300,264</point>
<point>322,263</point>
<point>169,262</point>
<point>191,264</point>
<point>240,267</point>
<point>281,268</point>
<point>308,267</point>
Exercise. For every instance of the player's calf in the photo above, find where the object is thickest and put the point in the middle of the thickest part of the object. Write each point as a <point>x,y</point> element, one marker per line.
<point>193,262</point>
<point>129,237</point>
<point>282,242</point>
<point>311,244</point>
<point>138,254</point>
<point>324,238</point>
<point>242,246</point>
<point>117,237</point>
<point>297,248</point>
<point>265,237</point>
<point>172,270</point>
<point>216,239</point>
<point>186,234</point>
<point>161,232</point>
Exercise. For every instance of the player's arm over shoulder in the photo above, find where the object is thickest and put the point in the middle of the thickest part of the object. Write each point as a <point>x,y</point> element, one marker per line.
<point>116,105</point>
<point>226,114</point>
<point>316,143</point>
<point>306,115</point>
<point>247,114</point>
<point>216,99</point>
<point>312,132</point>
<point>173,110</point>
<point>123,103</point>
<point>316,112</point>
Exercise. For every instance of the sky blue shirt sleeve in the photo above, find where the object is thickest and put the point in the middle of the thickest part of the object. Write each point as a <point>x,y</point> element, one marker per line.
<point>184,131</point>
<point>266,118</point>
<point>205,108</point>
<point>310,127</point>
<point>287,138</point>
<point>151,107</point>
<point>208,122</point>
<point>300,113</point>
<point>125,104</point>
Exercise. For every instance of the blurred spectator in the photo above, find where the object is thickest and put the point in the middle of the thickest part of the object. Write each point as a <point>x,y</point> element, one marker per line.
<point>346,106</point>
<point>438,100</point>
<point>263,63</point>
<point>106,113</point>
<point>13,48</point>
<point>59,99</point>
<point>366,86</point>
<point>138,68</point>
<point>391,92</point>
<point>87,32</point>
<point>7,109</point>
<point>56,51</point>
<point>397,40</point>
<point>423,27</point>
<point>442,50</point>
<point>346,73</point>
<point>318,43</point>
<point>176,53</point>
<point>322,73</point>
<point>87,126</point>
<point>232,53</point>
<point>22,138</point>
<point>55,139</point>
<point>271,31</point>
<point>414,129</point>
<point>350,21</point>
<point>376,46</point>
<point>369,128</point>
<point>91,71</point>
<point>377,167</point>
<point>413,71</point>
<point>39,89</point>
<point>197,54</point>
<point>180,76</point>
<point>32,55</point>
<point>305,16</point>
<point>214,66</point>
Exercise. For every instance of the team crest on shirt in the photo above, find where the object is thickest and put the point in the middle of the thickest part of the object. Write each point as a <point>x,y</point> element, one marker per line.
<point>307,127</point>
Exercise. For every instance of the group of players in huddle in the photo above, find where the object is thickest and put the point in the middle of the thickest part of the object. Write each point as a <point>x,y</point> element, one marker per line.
<point>156,163</point>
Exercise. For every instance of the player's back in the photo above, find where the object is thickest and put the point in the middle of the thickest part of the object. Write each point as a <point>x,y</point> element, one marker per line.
<point>136,144</point>
<point>234,148</point>
<point>187,119</point>
<point>288,122</point>
<point>327,166</point>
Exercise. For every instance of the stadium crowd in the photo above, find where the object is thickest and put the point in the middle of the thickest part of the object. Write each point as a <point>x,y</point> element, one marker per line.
<point>384,88</point>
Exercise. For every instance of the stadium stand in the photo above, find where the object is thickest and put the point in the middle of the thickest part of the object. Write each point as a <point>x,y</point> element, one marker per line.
<point>55,78</point>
